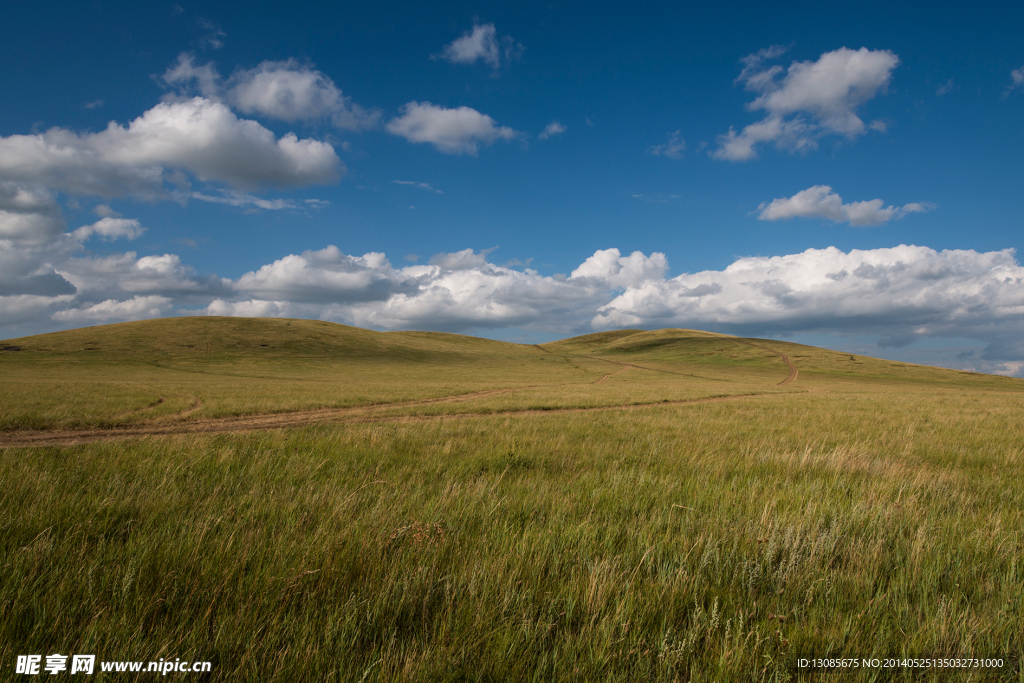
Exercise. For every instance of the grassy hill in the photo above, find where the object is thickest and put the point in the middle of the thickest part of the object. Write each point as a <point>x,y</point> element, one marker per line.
<point>189,369</point>
<point>303,501</point>
<point>216,339</point>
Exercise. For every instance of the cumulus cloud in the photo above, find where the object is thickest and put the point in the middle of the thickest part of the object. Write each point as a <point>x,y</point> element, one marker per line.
<point>284,90</point>
<point>110,228</point>
<point>39,280</point>
<point>551,130</point>
<point>455,291</point>
<point>127,274</point>
<point>482,43</point>
<point>28,214</point>
<point>900,294</point>
<point>196,136</point>
<point>185,73</point>
<point>453,131</point>
<point>323,276</point>
<point>467,259</point>
<point>673,149</point>
<point>1013,368</point>
<point>607,268</point>
<point>820,201</point>
<point>807,100</point>
<point>111,310</point>
<point>104,211</point>
<point>903,293</point>
<point>292,92</point>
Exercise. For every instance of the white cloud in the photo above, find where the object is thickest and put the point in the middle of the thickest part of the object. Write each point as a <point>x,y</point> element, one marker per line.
<point>28,214</point>
<point>482,43</point>
<point>456,291</point>
<point>322,276</point>
<point>820,201</point>
<point>1016,80</point>
<point>136,308</point>
<point>291,92</point>
<point>110,228</point>
<point>1013,368</point>
<point>104,211</point>
<point>27,270</point>
<point>673,149</point>
<point>901,294</point>
<point>467,259</point>
<point>197,136</point>
<point>812,99</point>
<point>41,278</point>
<point>117,275</point>
<point>284,90</point>
<point>609,269</point>
<point>185,71</point>
<point>240,199</point>
<point>453,131</point>
<point>251,309</point>
<point>422,186</point>
<point>552,129</point>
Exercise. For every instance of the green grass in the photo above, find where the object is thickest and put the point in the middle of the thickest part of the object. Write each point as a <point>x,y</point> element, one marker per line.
<point>865,510</point>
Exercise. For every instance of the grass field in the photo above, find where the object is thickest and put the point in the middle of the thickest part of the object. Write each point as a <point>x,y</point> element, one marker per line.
<point>302,501</point>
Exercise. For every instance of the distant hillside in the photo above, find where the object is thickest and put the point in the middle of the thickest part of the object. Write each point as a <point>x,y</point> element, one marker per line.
<point>186,370</point>
<point>232,340</point>
<point>698,347</point>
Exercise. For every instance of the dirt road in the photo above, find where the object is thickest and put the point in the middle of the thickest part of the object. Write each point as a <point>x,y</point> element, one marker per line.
<point>358,415</point>
<point>793,372</point>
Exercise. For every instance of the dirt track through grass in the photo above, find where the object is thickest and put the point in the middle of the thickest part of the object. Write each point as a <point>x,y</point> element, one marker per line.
<point>793,372</point>
<point>328,503</point>
<point>605,378</point>
<point>357,414</point>
<point>360,415</point>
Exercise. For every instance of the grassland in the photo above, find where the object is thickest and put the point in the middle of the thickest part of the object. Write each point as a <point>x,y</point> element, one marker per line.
<point>624,506</point>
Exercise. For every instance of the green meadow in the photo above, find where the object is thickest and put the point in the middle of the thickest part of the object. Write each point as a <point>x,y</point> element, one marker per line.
<point>303,501</point>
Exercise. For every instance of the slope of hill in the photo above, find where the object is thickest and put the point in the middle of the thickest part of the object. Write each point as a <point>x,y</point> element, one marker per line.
<point>632,506</point>
<point>185,370</point>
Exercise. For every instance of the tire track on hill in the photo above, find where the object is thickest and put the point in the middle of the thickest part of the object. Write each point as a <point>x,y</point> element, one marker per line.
<point>605,378</point>
<point>60,437</point>
<point>793,372</point>
<point>641,367</point>
<point>355,414</point>
<point>360,415</point>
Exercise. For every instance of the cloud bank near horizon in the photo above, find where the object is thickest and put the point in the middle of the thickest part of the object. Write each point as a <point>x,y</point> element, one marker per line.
<point>901,294</point>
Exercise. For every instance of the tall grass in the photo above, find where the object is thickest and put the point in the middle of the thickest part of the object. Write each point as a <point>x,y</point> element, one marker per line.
<point>701,542</point>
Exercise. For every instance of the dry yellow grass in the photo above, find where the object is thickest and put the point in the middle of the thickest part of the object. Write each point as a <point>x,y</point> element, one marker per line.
<point>867,509</point>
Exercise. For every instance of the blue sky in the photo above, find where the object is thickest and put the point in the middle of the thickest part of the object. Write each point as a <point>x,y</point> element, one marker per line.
<point>524,172</point>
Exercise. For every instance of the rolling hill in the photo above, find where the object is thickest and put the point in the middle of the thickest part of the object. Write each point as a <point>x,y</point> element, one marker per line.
<point>183,371</point>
